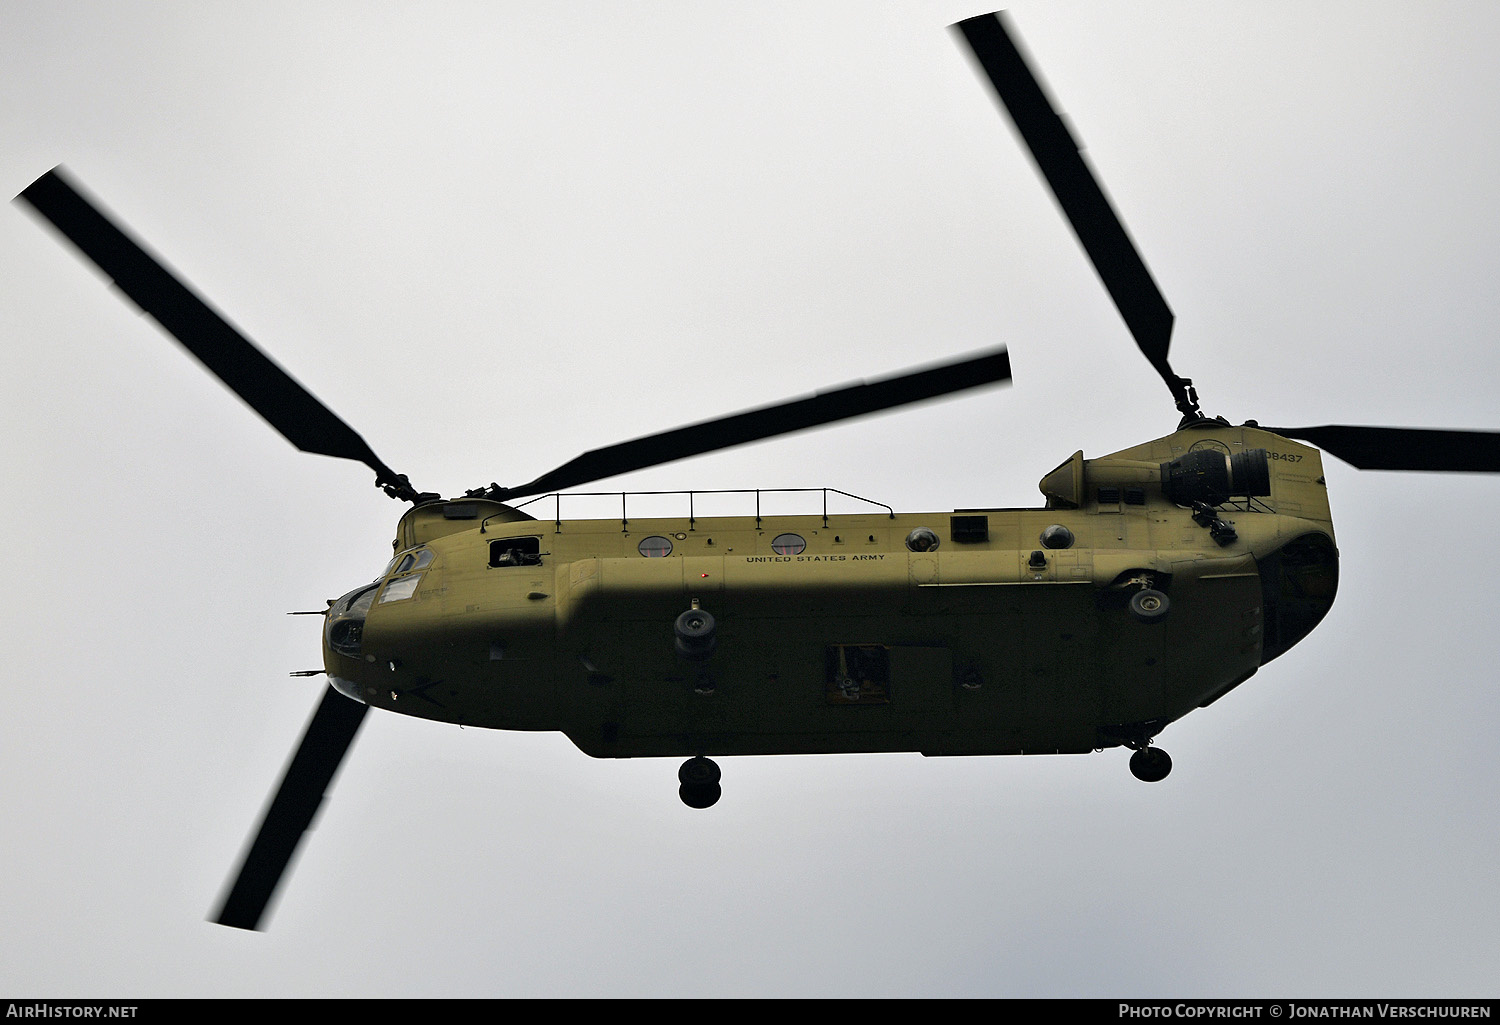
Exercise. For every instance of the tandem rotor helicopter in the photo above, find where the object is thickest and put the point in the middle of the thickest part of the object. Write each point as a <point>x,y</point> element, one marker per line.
<point>1152,581</point>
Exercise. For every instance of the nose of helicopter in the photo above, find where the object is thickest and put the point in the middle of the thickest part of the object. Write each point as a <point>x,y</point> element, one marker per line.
<point>1298,583</point>
<point>343,637</point>
<point>349,688</point>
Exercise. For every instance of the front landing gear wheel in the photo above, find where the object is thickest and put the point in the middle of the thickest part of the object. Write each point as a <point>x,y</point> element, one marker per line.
<point>1150,764</point>
<point>1149,606</point>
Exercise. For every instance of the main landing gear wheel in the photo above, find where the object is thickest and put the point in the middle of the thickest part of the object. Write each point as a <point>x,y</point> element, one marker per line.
<point>1149,606</point>
<point>694,634</point>
<point>700,782</point>
<point>1150,764</point>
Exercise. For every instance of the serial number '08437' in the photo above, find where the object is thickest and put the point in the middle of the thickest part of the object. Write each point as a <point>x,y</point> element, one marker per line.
<point>1291,457</point>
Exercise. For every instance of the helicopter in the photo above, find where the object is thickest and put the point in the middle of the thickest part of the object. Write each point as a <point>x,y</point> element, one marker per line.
<point>1138,593</point>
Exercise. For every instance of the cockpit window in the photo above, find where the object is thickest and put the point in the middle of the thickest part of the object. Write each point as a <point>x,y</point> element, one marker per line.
<point>355,603</point>
<point>346,620</point>
<point>400,589</point>
<point>408,562</point>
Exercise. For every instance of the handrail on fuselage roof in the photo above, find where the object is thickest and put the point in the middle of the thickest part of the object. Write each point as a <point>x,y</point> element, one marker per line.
<point>557,498</point>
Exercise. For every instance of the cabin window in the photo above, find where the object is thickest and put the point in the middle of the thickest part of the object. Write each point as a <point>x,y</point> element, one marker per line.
<point>655,547</point>
<point>1057,536</point>
<point>788,544</point>
<point>922,540</point>
<point>969,530</point>
<point>406,561</point>
<point>516,551</point>
<point>424,558</point>
<point>857,674</point>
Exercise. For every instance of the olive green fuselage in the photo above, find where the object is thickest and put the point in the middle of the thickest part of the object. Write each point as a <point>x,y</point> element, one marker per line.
<point>991,642</point>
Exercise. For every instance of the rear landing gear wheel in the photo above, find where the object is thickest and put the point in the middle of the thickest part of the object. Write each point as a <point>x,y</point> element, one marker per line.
<point>694,634</point>
<point>1149,606</point>
<point>1150,764</point>
<point>699,795</point>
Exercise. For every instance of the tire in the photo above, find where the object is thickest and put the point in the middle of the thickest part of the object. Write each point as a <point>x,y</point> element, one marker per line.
<point>699,795</point>
<point>699,770</point>
<point>695,625</point>
<point>695,634</point>
<point>1149,606</point>
<point>1150,764</point>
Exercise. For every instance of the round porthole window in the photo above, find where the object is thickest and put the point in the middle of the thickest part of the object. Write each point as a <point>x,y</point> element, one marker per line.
<point>921,540</point>
<point>655,547</point>
<point>788,544</point>
<point>1057,536</point>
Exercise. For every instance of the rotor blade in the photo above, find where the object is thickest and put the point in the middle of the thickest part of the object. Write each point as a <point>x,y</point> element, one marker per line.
<point>248,372</point>
<point>1404,448</point>
<point>1061,161</point>
<point>828,407</point>
<point>290,813</point>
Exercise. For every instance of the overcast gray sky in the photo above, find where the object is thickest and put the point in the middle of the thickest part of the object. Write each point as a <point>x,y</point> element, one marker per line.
<point>493,235</point>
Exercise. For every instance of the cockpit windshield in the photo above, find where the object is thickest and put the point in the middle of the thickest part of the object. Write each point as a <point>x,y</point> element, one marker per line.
<point>346,620</point>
